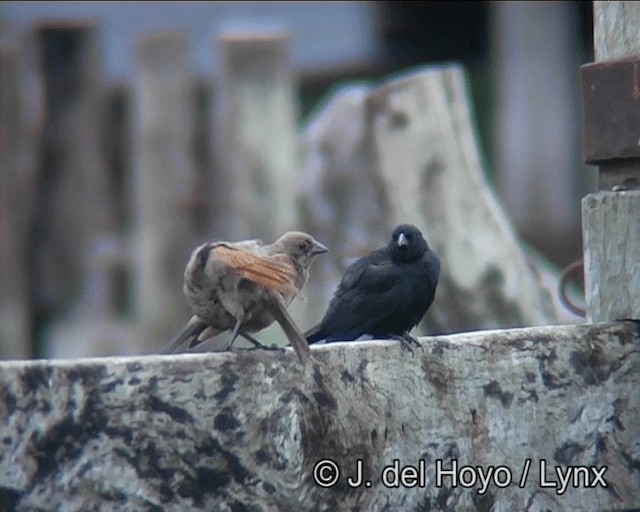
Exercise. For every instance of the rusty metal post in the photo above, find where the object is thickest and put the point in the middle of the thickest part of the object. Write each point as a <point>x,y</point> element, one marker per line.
<point>611,140</point>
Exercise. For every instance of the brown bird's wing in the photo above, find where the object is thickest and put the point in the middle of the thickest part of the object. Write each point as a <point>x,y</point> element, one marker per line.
<point>297,340</point>
<point>266,271</point>
<point>193,328</point>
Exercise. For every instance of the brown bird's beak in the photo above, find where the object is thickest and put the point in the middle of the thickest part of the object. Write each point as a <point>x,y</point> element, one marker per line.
<point>318,248</point>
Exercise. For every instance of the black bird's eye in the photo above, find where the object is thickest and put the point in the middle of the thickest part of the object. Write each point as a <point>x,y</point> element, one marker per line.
<point>409,236</point>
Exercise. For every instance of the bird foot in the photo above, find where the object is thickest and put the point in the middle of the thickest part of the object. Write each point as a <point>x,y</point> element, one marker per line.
<point>257,345</point>
<point>406,340</point>
<point>260,346</point>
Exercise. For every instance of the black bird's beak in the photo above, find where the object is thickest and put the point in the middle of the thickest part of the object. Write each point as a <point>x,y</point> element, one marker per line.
<point>318,248</point>
<point>402,240</point>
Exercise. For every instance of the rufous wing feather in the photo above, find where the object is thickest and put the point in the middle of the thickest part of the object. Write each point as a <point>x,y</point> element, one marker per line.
<point>264,271</point>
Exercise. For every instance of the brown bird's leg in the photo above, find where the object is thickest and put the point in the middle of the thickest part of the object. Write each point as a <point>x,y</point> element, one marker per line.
<point>252,340</point>
<point>234,333</point>
<point>257,344</point>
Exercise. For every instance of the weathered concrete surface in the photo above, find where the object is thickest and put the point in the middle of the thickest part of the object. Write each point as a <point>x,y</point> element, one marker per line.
<point>244,431</point>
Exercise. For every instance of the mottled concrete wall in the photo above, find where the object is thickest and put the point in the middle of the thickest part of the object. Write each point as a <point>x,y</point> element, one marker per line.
<point>245,431</point>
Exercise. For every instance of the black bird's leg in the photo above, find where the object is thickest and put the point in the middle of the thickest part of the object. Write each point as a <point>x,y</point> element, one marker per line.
<point>411,339</point>
<point>406,340</point>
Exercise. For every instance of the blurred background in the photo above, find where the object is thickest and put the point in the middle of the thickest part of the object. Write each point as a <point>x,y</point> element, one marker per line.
<point>91,256</point>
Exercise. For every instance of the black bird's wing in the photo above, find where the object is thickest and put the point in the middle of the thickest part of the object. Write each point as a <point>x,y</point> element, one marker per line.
<point>385,293</point>
<point>380,297</point>
<point>370,290</point>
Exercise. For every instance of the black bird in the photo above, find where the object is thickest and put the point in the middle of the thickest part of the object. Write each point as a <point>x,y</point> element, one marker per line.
<point>383,294</point>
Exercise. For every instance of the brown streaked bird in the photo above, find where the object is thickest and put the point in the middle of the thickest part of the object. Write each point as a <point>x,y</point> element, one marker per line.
<point>245,287</point>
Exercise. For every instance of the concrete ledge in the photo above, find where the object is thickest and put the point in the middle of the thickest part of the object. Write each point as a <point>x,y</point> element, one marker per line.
<point>244,431</point>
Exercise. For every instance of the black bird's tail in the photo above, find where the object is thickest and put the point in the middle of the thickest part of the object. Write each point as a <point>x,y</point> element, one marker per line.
<point>314,334</point>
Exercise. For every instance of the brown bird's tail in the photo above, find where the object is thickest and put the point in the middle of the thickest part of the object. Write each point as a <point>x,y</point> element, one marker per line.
<point>192,329</point>
<point>299,344</point>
